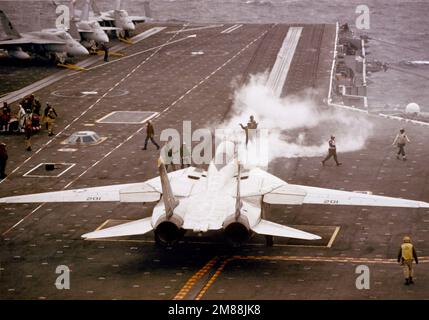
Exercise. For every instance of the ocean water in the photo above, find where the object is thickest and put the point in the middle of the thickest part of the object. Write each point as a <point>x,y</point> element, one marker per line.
<point>400,27</point>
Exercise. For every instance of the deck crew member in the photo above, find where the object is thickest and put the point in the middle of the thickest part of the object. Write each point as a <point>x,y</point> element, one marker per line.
<point>332,152</point>
<point>6,107</point>
<point>401,140</point>
<point>45,113</point>
<point>3,160</point>
<point>250,129</point>
<point>5,117</point>
<point>150,133</point>
<point>37,106</point>
<point>50,117</point>
<point>105,48</point>
<point>28,129</point>
<point>407,253</point>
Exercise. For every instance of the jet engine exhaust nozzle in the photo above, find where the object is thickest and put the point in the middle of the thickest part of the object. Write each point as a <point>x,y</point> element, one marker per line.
<point>237,230</point>
<point>169,231</point>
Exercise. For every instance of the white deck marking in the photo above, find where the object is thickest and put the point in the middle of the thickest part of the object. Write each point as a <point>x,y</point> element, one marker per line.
<point>157,48</point>
<point>334,235</point>
<point>145,35</point>
<point>331,78</point>
<point>232,28</point>
<point>195,29</point>
<point>136,121</point>
<point>278,74</point>
<point>69,166</point>
<point>67,150</point>
<point>20,221</point>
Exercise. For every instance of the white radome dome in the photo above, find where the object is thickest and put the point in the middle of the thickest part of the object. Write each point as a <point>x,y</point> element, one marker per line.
<point>412,108</point>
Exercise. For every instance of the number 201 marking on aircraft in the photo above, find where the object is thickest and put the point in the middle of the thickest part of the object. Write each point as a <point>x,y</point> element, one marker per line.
<point>93,199</point>
<point>330,202</point>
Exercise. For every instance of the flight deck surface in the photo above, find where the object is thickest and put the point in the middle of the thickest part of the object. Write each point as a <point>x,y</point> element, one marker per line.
<point>174,78</point>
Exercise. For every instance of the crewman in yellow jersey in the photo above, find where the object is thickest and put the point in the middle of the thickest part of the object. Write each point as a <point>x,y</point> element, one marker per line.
<point>407,253</point>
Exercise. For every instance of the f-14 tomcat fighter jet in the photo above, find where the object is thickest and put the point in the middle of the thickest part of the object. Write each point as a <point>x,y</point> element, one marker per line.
<point>227,197</point>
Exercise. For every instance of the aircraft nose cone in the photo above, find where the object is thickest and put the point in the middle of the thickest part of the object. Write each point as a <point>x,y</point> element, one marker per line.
<point>78,50</point>
<point>84,51</point>
<point>131,26</point>
<point>102,37</point>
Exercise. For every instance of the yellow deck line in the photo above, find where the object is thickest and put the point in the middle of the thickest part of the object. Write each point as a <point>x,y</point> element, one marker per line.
<point>113,54</point>
<point>192,280</point>
<point>125,40</point>
<point>213,278</point>
<point>297,258</point>
<point>71,66</point>
<point>103,225</point>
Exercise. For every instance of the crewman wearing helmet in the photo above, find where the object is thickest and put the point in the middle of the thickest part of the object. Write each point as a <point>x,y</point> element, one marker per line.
<point>406,255</point>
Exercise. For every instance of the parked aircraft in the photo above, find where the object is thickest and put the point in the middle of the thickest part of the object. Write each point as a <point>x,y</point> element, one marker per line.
<point>88,28</point>
<point>117,17</point>
<point>50,43</point>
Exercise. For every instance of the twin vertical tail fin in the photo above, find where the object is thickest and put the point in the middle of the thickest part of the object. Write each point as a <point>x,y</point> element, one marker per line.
<point>73,31</point>
<point>95,7</point>
<point>170,201</point>
<point>118,5</point>
<point>147,11</point>
<point>84,16</point>
<point>8,28</point>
